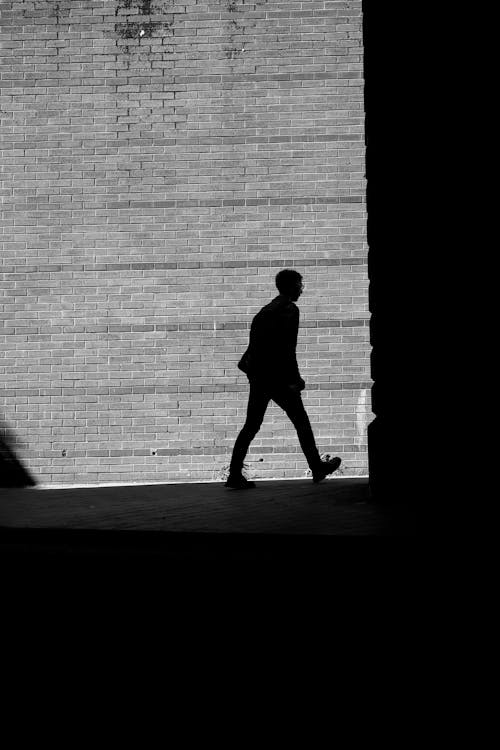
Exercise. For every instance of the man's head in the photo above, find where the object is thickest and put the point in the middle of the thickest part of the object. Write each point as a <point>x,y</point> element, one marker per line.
<point>289,283</point>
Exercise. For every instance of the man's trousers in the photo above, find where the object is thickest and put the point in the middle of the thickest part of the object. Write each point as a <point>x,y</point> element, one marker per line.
<point>290,401</point>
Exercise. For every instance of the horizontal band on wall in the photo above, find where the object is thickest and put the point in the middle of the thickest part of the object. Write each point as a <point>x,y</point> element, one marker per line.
<point>339,79</point>
<point>179,265</point>
<point>191,451</point>
<point>206,140</point>
<point>42,201</point>
<point>50,329</point>
<point>339,14</point>
<point>161,389</point>
<point>213,140</point>
<point>237,202</point>
<point>255,77</point>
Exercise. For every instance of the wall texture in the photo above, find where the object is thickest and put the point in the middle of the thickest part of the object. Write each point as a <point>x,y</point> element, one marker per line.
<point>161,162</point>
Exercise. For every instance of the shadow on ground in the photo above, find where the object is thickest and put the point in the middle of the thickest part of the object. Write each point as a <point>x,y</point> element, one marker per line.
<point>197,521</point>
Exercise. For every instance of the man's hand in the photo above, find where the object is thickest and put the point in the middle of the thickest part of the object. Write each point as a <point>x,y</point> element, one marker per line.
<point>297,387</point>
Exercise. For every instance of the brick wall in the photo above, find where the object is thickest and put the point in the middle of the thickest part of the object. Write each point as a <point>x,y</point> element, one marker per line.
<point>161,162</point>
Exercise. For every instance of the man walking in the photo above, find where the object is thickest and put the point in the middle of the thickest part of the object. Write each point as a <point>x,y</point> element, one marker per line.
<point>270,364</point>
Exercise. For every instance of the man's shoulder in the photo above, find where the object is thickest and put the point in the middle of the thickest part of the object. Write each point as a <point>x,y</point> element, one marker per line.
<point>278,311</point>
<point>268,309</point>
<point>280,305</point>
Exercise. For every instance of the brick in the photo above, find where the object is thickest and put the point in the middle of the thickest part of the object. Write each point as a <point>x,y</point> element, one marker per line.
<point>152,187</point>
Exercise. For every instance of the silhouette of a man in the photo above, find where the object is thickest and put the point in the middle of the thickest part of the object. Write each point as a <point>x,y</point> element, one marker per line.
<point>270,364</point>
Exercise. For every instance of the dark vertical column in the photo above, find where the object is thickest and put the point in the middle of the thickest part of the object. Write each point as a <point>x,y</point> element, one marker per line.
<point>422,451</point>
<point>392,100</point>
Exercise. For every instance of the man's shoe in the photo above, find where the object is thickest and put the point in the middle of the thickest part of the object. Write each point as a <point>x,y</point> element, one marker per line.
<point>238,482</point>
<point>325,468</point>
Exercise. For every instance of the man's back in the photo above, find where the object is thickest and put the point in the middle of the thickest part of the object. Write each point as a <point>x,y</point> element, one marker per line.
<point>273,339</point>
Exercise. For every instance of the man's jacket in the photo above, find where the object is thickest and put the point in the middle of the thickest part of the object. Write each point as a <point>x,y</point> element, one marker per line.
<point>271,354</point>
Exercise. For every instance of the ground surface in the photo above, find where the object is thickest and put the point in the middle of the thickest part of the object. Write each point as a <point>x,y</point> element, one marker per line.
<point>195,519</point>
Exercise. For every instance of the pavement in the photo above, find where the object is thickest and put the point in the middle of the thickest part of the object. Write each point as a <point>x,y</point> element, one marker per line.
<point>195,520</point>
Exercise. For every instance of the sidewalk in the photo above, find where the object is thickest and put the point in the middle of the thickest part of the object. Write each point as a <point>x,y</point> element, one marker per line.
<point>190,519</point>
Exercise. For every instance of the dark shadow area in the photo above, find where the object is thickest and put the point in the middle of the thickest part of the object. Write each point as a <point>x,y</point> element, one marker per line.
<point>178,546</point>
<point>12,472</point>
<point>279,521</point>
<point>404,245</point>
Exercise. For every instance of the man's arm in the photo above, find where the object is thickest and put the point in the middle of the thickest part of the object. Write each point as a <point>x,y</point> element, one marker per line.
<point>291,367</point>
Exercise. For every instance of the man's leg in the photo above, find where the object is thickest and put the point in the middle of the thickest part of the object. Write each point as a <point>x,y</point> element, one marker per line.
<point>291,402</point>
<point>258,401</point>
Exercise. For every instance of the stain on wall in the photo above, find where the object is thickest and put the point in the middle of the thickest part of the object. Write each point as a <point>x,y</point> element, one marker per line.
<point>143,19</point>
<point>235,31</point>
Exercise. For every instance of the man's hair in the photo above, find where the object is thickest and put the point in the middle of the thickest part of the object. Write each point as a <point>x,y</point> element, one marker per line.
<point>287,279</point>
